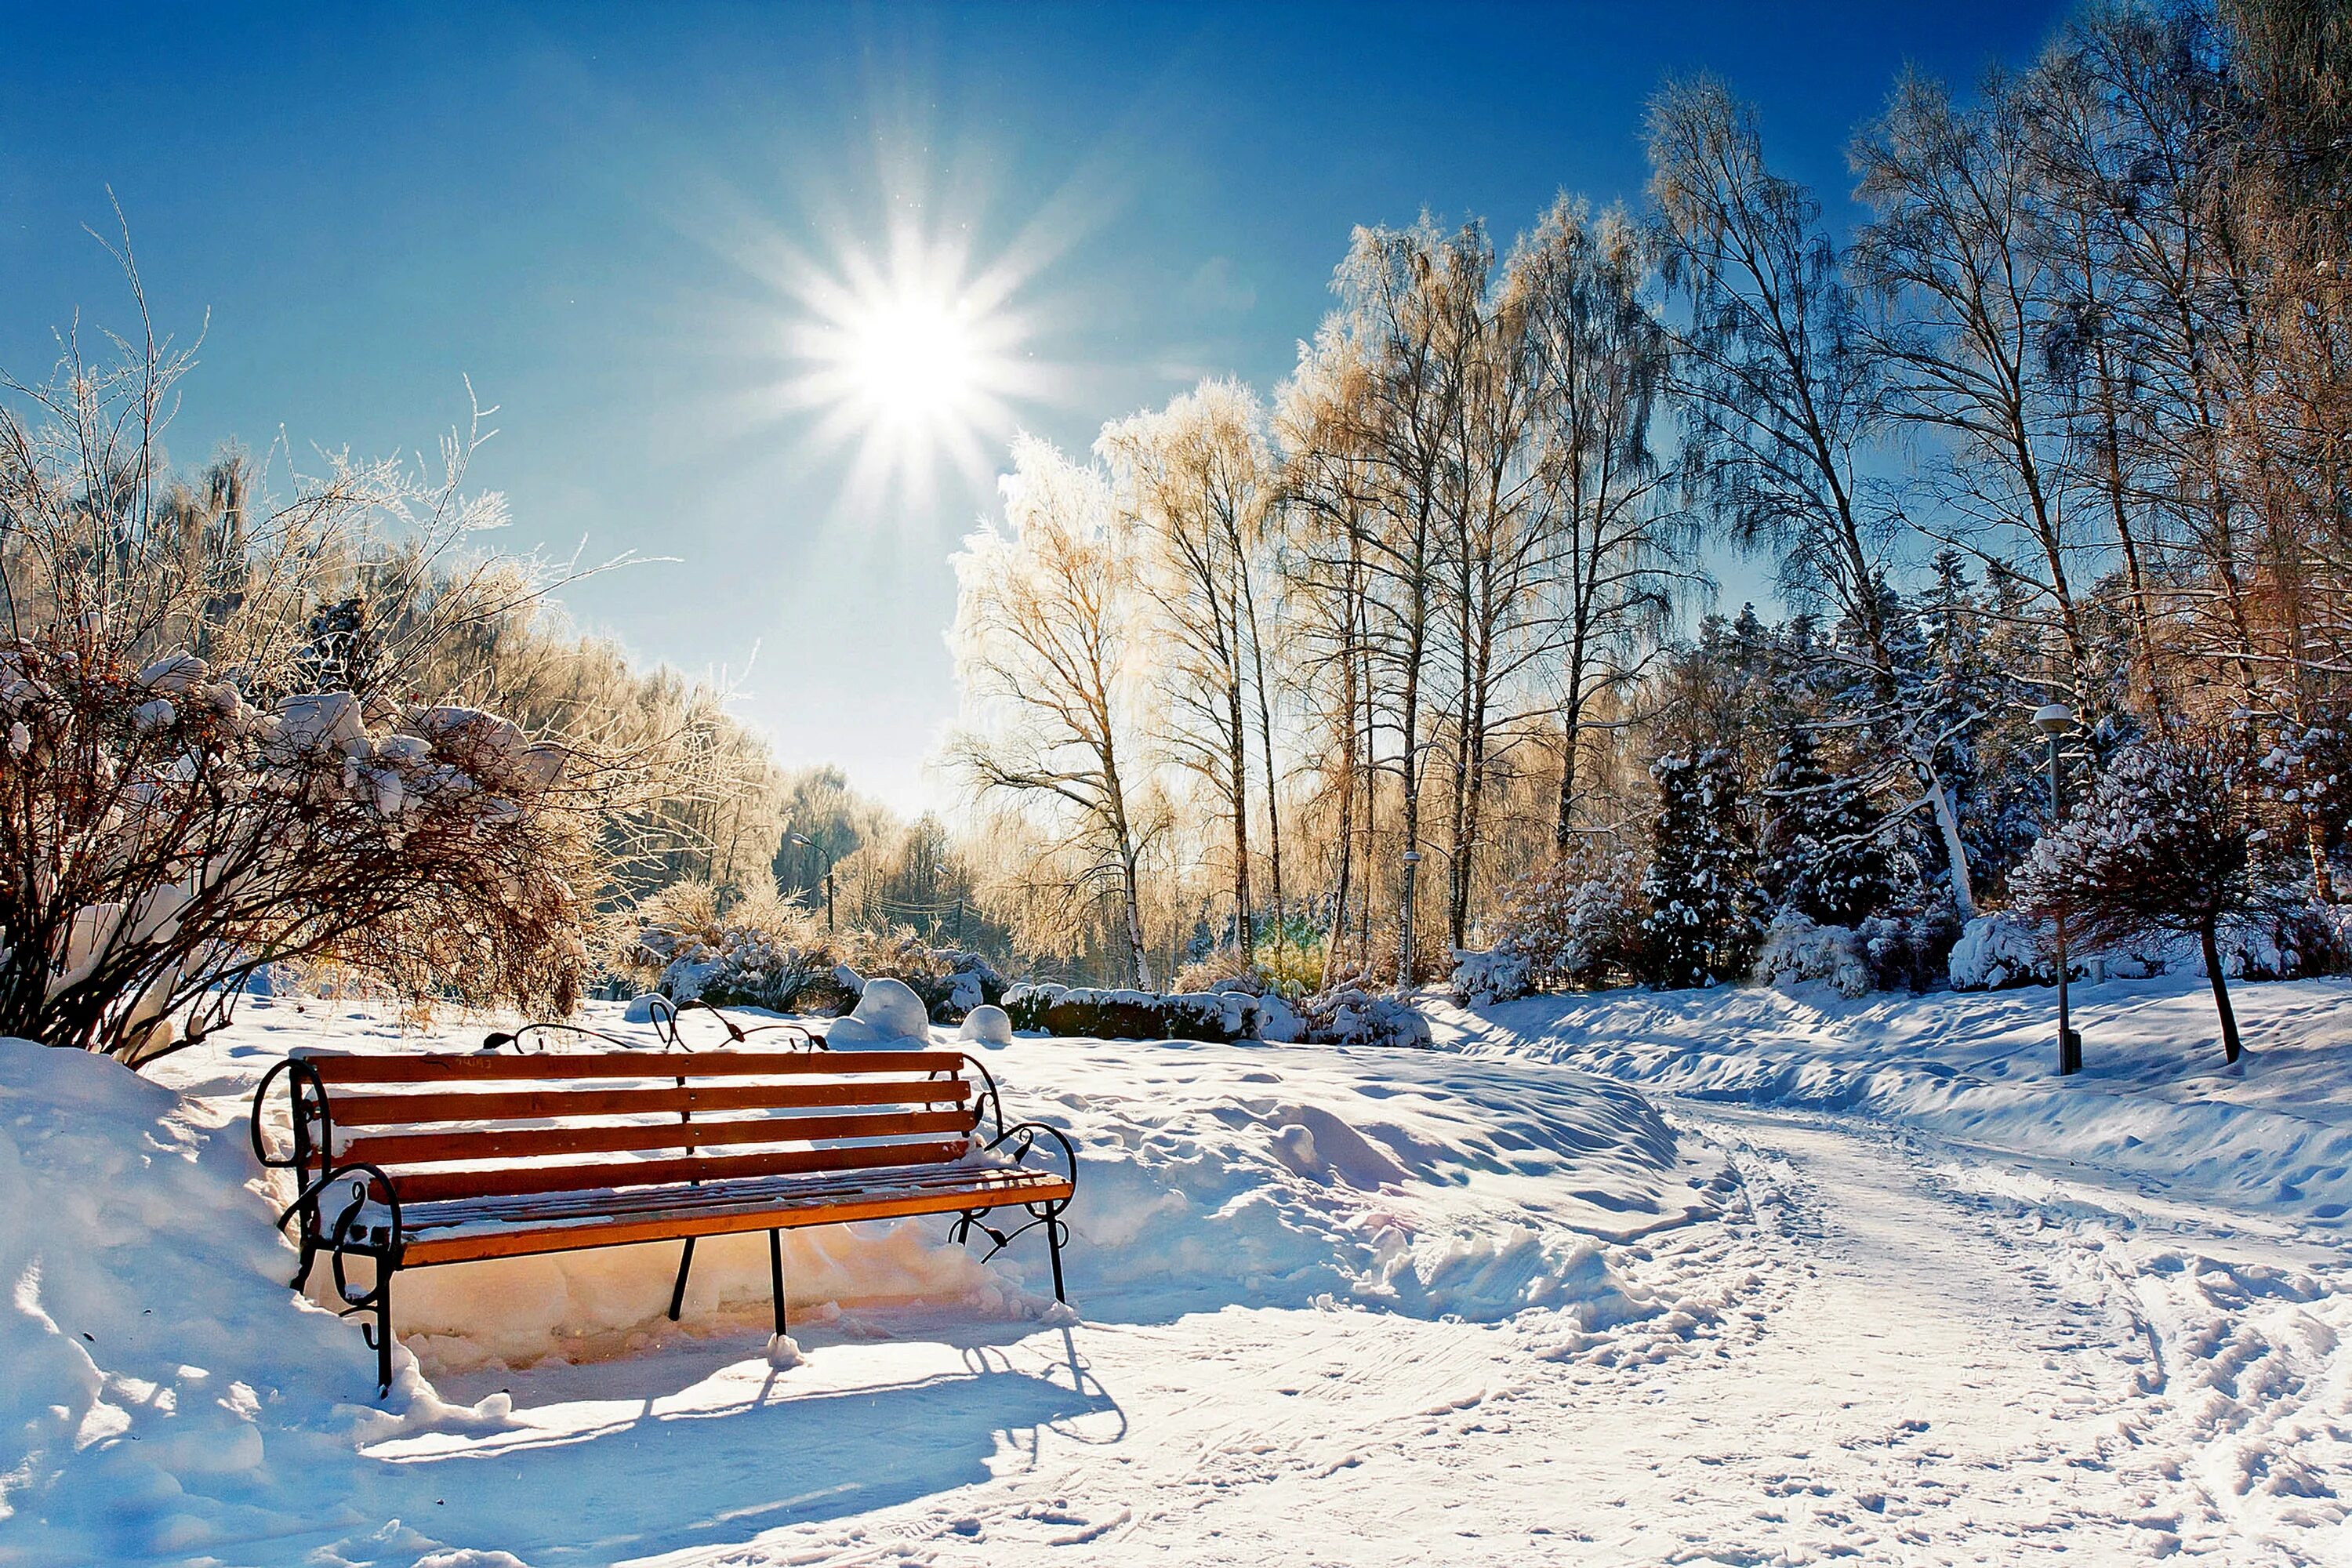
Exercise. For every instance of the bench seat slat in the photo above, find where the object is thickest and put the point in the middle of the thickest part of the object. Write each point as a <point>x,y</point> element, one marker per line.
<point>389,1109</point>
<point>398,1149</point>
<point>451,1234</point>
<point>343,1071</point>
<point>428,1186</point>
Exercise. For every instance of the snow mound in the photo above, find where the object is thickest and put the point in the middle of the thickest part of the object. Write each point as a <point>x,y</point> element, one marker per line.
<point>987,1025</point>
<point>164,1393</point>
<point>1283,1176</point>
<point>888,1012</point>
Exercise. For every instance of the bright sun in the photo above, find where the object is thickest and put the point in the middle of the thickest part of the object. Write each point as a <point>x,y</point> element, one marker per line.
<point>912,359</point>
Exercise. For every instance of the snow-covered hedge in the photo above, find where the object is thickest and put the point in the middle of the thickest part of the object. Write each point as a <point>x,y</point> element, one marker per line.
<point>1346,1015</point>
<point>1796,952</point>
<point>1085,1012</point>
<point>1501,973</point>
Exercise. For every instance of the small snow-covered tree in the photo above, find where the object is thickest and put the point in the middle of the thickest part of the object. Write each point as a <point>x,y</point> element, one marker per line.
<point>2166,843</point>
<point>1701,927</point>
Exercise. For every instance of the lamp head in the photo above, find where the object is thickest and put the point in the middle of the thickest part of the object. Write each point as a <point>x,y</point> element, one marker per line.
<point>2055,719</point>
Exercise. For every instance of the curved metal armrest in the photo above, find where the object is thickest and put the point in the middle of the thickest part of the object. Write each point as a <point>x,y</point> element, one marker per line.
<point>1023,1138</point>
<point>363,1176</point>
<point>299,1074</point>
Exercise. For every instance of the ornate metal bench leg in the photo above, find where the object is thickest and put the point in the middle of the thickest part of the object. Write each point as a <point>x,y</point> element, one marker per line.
<point>382,1335</point>
<point>1054,1250</point>
<point>776,1275</point>
<point>678,1292</point>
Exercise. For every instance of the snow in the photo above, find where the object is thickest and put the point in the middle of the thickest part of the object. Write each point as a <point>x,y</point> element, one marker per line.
<point>887,1012</point>
<point>988,1025</point>
<point>1740,1276</point>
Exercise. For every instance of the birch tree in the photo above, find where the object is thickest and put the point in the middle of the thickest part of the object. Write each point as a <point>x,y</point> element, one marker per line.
<point>1046,612</point>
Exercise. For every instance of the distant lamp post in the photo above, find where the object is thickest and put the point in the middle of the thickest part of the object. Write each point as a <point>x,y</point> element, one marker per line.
<point>1405,958</point>
<point>805,842</point>
<point>2054,721</point>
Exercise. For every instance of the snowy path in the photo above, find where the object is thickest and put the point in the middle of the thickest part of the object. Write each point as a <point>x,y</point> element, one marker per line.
<point>1890,1365</point>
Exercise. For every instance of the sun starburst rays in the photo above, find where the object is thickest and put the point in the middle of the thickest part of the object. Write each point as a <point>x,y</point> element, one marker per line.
<point>910,360</point>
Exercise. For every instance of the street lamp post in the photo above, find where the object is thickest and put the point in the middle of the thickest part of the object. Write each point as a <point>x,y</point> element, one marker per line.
<point>1405,958</point>
<point>2054,720</point>
<point>805,842</point>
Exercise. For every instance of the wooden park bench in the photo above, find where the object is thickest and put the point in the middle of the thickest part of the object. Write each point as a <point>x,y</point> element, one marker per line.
<point>413,1160</point>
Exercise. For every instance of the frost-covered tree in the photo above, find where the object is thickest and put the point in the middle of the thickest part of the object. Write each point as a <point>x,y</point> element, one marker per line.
<point>1196,483</point>
<point>1702,925</point>
<point>1047,608</point>
<point>2165,844</point>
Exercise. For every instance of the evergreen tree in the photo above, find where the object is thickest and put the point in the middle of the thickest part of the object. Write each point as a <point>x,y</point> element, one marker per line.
<point>1820,851</point>
<point>1703,923</point>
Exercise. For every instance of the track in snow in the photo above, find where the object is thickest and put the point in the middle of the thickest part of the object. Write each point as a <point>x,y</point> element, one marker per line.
<point>1882,1352</point>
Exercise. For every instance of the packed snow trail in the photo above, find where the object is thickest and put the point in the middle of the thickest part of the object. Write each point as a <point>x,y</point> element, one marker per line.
<point>1874,1360</point>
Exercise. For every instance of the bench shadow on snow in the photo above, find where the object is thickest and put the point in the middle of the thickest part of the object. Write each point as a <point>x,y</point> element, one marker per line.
<point>651,1481</point>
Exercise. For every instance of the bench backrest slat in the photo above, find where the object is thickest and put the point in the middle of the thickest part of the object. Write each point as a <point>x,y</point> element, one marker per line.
<point>461,1181</point>
<point>337,1070</point>
<point>541,1142</point>
<point>446,1126</point>
<point>538,1104</point>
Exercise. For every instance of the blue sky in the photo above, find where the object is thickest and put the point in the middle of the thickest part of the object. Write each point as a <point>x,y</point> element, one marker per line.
<point>596,214</point>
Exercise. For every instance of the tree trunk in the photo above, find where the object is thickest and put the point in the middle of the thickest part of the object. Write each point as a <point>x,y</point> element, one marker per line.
<point>2206,939</point>
<point>1956,852</point>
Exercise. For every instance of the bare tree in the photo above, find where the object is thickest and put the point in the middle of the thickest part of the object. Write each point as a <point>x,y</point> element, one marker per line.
<point>1196,482</point>
<point>1045,652</point>
<point>1779,389</point>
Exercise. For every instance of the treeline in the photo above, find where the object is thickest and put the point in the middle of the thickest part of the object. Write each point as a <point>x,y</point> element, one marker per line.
<point>2066,418</point>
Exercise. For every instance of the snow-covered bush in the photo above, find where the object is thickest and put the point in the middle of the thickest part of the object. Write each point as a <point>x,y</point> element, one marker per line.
<point>2287,943</point>
<point>756,950</point>
<point>1227,1013</point>
<point>2000,950</point>
<point>1346,1015</point>
<point>1910,949</point>
<point>1798,952</point>
<point>1576,922</point>
<point>1501,973</point>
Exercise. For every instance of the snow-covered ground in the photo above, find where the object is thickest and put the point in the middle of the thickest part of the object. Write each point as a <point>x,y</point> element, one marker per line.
<point>1725,1277</point>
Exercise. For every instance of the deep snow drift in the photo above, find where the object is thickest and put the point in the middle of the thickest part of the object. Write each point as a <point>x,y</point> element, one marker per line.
<point>167,1394</point>
<point>1816,1278</point>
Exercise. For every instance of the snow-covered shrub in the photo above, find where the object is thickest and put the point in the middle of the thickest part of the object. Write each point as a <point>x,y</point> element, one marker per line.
<point>1910,949</point>
<point>2002,949</point>
<point>754,950</point>
<point>1287,968</point>
<point>1798,952</point>
<point>1501,973</point>
<point>1346,1015</point>
<point>1026,1003</point>
<point>1576,922</point>
<point>2290,943</point>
